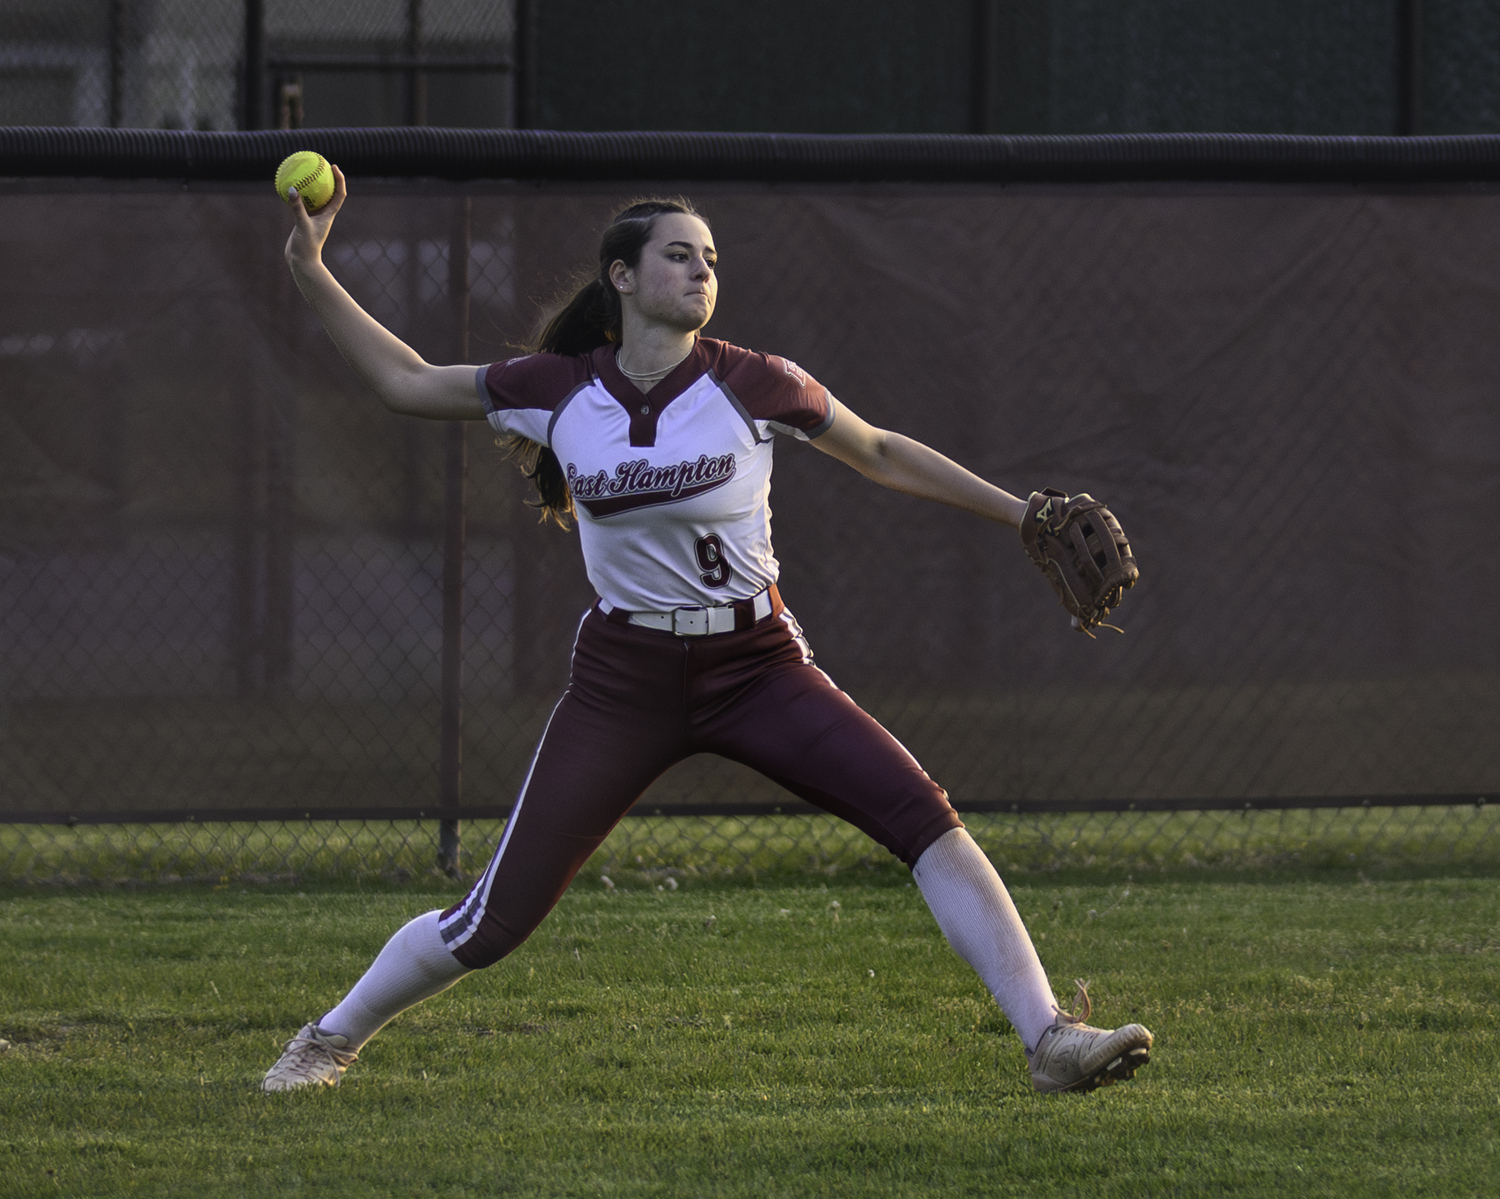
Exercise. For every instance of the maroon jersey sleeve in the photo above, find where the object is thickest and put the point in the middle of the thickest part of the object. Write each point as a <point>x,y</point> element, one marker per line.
<point>775,390</point>
<point>520,395</point>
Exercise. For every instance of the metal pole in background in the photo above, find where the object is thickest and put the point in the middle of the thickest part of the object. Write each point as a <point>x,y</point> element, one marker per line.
<point>455,470</point>
<point>245,541</point>
<point>982,83</point>
<point>416,79</point>
<point>1408,67</point>
<point>279,581</point>
<point>523,73</point>
<point>253,95</point>
<point>119,36</point>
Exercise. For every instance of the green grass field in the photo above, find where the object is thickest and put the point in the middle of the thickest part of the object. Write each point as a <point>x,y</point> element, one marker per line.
<point>1316,1035</point>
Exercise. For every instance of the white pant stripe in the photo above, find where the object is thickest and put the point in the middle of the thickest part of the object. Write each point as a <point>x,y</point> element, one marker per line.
<point>463,923</point>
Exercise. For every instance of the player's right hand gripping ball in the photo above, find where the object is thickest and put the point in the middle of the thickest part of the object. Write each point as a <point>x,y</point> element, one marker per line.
<point>310,174</point>
<point>1078,544</point>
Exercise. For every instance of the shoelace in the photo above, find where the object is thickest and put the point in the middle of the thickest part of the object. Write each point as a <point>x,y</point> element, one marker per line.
<point>302,1064</point>
<point>1064,1018</point>
<point>1080,1000</point>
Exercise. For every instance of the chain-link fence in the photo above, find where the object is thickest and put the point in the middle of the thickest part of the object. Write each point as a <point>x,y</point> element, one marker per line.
<point>667,850</point>
<point>222,563</point>
<point>1022,66</point>
<point>254,64</point>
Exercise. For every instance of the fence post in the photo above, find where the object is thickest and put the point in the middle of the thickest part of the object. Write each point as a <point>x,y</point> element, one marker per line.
<point>245,434</point>
<point>1408,67</point>
<point>523,102</point>
<point>416,78</point>
<point>982,64</point>
<point>278,581</point>
<point>455,472</point>
<point>253,95</point>
<point>119,42</point>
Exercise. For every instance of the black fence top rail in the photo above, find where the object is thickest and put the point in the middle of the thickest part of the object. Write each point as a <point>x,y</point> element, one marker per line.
<point>544,155</point>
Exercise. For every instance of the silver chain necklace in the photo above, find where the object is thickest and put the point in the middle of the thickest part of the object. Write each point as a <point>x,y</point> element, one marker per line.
<point>641,378</point>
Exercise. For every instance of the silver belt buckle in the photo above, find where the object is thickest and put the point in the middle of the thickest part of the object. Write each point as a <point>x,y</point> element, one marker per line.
<point>690,622</point>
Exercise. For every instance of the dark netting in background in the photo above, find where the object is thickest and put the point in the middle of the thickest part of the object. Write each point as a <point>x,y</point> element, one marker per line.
<point>221,560</point>
<point>1046,66</point>
<point>181,64</point>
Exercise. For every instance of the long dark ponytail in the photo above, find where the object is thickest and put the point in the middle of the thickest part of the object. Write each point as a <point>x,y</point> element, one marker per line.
<point>587,321</point>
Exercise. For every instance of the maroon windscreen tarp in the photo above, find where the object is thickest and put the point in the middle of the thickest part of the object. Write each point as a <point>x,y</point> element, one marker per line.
<point>221,559</point>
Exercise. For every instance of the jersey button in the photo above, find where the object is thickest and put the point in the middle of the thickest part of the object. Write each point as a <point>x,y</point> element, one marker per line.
<point>645,409</point>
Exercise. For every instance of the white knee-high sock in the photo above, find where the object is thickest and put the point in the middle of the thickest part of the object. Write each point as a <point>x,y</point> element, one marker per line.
<point>414,965</point>
<point>976,914</point>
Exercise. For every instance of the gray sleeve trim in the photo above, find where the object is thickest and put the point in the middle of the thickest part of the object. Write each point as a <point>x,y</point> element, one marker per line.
<point>484,392</point>
<point>558,411</point>
<point>734,401</point>
<point>827,422</point>
<point>807,434</point>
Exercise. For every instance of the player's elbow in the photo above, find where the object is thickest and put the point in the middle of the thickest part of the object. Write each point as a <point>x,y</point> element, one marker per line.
<point>409,390</point>
<point>882,460</point>
<point>871,454</point>
<point>399,405</point>
<point>862,448</point>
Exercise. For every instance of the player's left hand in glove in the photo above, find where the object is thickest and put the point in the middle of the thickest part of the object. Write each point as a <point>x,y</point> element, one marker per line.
<point>1077,543</point>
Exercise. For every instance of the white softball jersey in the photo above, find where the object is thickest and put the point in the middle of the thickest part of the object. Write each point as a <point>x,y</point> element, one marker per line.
<point>672,486</point>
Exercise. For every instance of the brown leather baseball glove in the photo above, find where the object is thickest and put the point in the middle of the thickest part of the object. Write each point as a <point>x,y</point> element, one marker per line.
<point>1078,544</point>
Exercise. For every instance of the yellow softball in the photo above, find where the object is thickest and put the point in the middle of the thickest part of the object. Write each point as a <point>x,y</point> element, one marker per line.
<point>310,174</point>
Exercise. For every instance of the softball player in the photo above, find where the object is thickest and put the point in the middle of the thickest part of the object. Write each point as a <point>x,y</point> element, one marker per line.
<point>658,441</point>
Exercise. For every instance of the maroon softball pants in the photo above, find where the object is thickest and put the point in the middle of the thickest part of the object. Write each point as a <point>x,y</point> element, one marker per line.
<point>637,702</point>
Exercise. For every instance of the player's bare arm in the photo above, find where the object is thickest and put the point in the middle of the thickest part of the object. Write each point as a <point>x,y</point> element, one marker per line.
<point>906,465</point>
<point>404,381</point>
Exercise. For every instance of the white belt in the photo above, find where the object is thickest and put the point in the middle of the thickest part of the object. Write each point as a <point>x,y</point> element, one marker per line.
<point>698,622</point>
